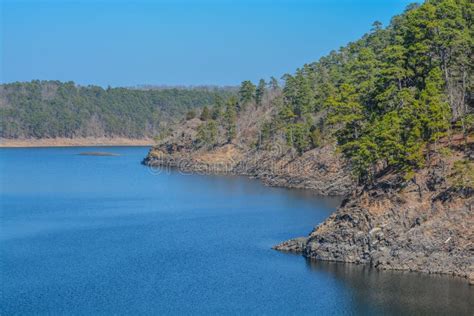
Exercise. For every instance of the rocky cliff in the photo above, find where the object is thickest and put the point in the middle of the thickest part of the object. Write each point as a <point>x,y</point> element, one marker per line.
<point>423,225</point>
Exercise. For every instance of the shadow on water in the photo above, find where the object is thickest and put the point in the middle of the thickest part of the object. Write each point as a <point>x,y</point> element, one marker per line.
<point>254,186</point>
<point>399,292</point>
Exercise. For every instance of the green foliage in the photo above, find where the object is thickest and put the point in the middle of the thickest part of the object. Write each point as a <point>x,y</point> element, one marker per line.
<point>265,133</point>
<point>391,95</point>
<point>230,119</point>
<point>207,134</point>
<point>205,114</point>
<point>297,135</point>
<point>162,134</point>
<point>217,109</point>
<point>190,115</point>
<point>316,137</point>
<point>298,93</point>
<point>260,92</point>
<point>246,93</point>
<point>463,174</point>
<point>273,84</point>
<point>46,109</point>
<point>345,108</point>
<point>434,111</point>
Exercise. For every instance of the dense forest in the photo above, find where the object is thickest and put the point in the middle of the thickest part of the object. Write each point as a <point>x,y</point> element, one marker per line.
<point>387,99</point>
<point>47,109</point>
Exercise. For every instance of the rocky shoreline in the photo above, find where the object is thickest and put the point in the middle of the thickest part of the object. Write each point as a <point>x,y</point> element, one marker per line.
<point>424,225</point>
<point>319,170</point>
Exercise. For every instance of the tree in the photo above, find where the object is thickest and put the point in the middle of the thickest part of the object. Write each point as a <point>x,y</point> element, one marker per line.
<point>287,114</point>
<point>434,111</point>
<point>376,26</point>
<point>315,136</point>
<point>230,119</point>
<point>260,92</point>
<point>205,114</point>
<point>190,115</point>
<point>346,109</point>
<point>217,109</point>
<point>207,134</point>
<point>246,93</point>
<point>297,135</point>
<point>46,109</point>
<point>216,112</point>
<point>273,84</point>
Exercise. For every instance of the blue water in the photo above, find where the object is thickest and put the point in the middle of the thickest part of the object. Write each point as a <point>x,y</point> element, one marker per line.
<point>89,235</point>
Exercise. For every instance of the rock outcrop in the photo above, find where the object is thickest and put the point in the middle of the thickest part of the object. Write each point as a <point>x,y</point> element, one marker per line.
<point>321,170</point>
<point>423,225</point>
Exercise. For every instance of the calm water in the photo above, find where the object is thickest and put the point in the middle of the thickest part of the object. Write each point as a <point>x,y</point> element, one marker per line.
<point>88,235</point>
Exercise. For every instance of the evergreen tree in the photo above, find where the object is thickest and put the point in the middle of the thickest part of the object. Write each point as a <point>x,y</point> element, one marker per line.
<point>230,119</point>
<point>205,114</point>
<point>260,92</point>
<point>207,134</point>
<point>273,84</point>
<point>346,109</point>
<point>246,93</point>
<point>297,135</point>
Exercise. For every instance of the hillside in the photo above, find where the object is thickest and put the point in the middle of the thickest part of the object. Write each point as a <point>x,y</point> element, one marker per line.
<point>386,120</point>
<point>421,225</point>
<point>53,109</point>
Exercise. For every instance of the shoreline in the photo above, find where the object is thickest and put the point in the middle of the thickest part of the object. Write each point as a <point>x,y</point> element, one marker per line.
<point>74,142</point>
<point>371,225</point>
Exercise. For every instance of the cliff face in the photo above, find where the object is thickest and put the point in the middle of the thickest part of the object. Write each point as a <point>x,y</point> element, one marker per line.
<point>424,225</point>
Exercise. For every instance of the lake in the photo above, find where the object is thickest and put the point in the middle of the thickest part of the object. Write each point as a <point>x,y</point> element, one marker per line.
<point>87,234</point>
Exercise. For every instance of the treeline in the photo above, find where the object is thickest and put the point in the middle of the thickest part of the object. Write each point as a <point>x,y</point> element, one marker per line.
<point>386,99</point>
<point>45,109</point>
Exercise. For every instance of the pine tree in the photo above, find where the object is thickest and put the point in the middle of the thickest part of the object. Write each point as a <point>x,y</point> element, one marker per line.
<point>207,134</point>
<point>273,84</point>
<point>434,110</point>
<point>260,92</point>
<point>230,119</point>
<point>246,93</point>
<point>345,109</point>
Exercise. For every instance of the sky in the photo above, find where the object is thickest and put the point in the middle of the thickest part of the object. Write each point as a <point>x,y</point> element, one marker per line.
<point>180,42</point>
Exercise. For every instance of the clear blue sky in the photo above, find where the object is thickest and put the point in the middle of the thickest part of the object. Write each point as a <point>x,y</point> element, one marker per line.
<point>180,42</point>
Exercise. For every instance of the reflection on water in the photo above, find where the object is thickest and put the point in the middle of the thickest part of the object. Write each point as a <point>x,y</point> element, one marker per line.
<point>399,292</point>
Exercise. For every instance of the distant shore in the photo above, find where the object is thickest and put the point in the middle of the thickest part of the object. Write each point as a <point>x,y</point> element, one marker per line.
<point>73,142</point>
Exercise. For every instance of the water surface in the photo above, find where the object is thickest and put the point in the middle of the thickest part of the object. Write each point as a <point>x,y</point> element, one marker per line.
<point>104,234</point>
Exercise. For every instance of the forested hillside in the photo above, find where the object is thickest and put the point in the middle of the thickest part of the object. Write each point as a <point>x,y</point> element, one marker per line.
<point>49,109</point>
<point>384,99</point>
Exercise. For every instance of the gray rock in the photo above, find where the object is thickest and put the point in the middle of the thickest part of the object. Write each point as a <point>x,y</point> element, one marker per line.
<point>296,245</point>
